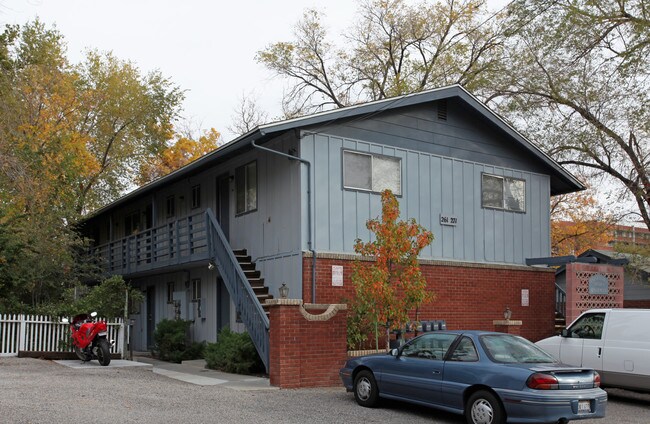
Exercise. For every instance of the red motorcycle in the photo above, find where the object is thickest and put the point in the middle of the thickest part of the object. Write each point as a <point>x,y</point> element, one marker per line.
<point>89,338</point>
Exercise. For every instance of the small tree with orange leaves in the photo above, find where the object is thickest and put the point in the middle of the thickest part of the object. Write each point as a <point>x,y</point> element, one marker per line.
<point>391,285</point>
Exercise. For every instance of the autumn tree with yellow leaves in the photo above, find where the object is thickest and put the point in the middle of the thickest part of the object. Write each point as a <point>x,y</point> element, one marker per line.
<point>578,224</point>
<point>181,152</point>
<point>389,286</point>
<point>72,139</point>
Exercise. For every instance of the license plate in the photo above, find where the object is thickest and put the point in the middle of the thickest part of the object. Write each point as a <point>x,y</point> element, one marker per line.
<point>584,407</point>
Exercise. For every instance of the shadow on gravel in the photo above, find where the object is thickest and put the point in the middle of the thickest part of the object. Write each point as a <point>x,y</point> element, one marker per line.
<point>436,416</point>
<point>628,396</point>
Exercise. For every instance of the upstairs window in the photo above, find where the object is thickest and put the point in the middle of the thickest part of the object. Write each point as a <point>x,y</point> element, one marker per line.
<point>171,206</point>
<point>503,193</point>
<point>372,172</point>
<point>246,188</point>
<point>196,196</point>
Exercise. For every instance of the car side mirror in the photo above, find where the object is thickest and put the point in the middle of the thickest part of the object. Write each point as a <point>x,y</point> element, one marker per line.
<point>394,352</point>
<point>65,321</point>
<point>565,333</point>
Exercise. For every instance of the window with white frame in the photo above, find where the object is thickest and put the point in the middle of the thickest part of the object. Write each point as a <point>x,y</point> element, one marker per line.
<point>196,289</point>
<point>246,187</point>
<point>372,172</point>
<point>505,193</point>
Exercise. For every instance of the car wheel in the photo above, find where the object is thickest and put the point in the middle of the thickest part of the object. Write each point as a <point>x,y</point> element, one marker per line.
<point>484,408</point>
<point>365,389</point>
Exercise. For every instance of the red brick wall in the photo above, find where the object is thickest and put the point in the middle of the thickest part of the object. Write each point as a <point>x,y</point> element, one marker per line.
<point>578,298</point>
<point>305,353</point>
<point>469,296</point>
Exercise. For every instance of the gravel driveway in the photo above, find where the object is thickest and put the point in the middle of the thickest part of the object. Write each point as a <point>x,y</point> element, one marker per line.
<point>39,391</point>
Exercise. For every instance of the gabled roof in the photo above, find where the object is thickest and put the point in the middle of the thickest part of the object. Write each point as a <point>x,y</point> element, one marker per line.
<point>561,180</point>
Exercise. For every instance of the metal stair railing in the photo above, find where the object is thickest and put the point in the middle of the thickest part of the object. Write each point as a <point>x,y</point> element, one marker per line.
<point>241,292</point>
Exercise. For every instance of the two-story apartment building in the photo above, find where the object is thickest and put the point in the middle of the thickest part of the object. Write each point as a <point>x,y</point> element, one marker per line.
<point>296,195</point>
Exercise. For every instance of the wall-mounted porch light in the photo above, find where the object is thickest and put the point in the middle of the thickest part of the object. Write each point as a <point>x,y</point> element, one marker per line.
<point>284,291</point>
<point>507,314</point>
<point>211,265</point>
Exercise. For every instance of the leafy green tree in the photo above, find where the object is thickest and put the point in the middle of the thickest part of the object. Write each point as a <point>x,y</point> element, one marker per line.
<point>391,285</point>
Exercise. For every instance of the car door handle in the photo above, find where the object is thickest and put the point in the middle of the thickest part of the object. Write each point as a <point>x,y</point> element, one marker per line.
<point>600,351</point>
<point>436,372</point>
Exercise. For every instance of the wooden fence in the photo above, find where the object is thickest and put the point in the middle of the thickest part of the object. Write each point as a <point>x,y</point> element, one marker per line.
<point>36,333</point>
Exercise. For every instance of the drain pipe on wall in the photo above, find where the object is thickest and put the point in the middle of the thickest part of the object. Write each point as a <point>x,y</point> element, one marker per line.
<point>309,213</point>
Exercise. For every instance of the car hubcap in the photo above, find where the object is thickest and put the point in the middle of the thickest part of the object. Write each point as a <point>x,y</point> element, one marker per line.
<point>363,389</point>
<point>482,412</point>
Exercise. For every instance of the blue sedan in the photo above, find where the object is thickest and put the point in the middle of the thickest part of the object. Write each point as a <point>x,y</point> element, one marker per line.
<point>491,378</point>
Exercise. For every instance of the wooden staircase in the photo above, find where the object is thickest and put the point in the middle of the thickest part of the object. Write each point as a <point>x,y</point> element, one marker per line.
<point>254,277</point>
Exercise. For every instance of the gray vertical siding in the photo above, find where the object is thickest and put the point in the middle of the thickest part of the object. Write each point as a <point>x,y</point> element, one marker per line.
<point>431,185</point>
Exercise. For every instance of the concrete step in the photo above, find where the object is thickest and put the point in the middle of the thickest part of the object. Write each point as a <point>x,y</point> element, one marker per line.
<point>195,363</point>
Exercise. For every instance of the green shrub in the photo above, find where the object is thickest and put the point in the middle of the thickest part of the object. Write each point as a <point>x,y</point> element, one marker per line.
<point>171,342</point>
<point>233,352</point>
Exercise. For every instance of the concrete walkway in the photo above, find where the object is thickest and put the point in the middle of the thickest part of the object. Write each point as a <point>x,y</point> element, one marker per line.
<point>193,372</point>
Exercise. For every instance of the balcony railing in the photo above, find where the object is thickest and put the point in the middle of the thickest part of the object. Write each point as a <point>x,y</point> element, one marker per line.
<point>178,242</point>
<point>192,238</point>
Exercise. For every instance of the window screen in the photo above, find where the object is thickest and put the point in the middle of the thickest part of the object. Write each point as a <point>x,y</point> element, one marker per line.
<point>357,170</point>
<point>503,193</point>
<point>371,172</point>
<point>246,187</point>
<point>386,174</point>
<point>492,192</point>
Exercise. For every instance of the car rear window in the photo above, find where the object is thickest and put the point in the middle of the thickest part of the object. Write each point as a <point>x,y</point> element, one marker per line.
<point>510,349</point>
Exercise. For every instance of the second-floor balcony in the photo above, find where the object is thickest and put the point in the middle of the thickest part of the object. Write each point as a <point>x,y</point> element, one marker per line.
<point>174,243</point>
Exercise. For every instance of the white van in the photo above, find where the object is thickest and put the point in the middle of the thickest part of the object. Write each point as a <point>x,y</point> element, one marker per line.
<point>615,342</point>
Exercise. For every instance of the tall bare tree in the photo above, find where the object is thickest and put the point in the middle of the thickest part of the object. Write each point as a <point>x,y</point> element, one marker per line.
<point>247,115</point>
<point>576,79</point>
<point>394,48</point>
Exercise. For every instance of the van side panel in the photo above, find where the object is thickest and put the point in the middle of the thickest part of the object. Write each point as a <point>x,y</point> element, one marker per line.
<point>626,350</point>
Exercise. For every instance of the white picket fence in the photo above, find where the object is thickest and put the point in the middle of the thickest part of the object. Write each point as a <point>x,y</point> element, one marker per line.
<point>36,333</point>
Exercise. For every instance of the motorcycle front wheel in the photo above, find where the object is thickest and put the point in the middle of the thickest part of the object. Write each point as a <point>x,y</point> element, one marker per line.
<point>103,352</point>
<point>81,354</point>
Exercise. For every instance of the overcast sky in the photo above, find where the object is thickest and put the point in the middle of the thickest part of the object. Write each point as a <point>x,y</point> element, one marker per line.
<point>205,47</point>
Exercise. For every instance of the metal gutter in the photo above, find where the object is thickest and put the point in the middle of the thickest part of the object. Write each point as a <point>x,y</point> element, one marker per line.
<point>309,210</point>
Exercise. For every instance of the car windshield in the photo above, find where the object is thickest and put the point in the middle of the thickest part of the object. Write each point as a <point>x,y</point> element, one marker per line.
<point>510,349</point>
